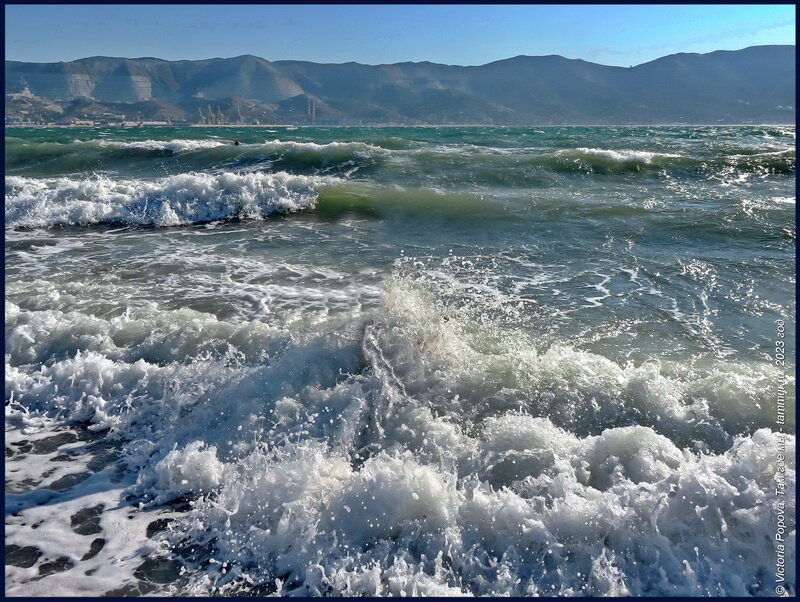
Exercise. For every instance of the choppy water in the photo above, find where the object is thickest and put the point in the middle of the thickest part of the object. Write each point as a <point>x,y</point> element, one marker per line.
<point>399,361</point>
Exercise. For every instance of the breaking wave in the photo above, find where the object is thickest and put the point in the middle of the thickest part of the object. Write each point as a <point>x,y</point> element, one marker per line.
<point>197,198</point>
<point>172,201</point>
<point>204,154</point>
<point>619,161</point>
<point>170,146</point>
<point>505,166</point>
<point>411,454</point>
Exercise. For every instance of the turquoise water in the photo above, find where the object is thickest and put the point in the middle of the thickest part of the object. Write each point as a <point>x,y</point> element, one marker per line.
<point>399,360</point>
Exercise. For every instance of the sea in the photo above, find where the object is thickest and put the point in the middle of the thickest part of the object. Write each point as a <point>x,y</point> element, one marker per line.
<point>400,361</point>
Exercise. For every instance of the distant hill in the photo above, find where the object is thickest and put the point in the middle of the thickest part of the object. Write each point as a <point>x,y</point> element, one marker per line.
<point>756,84</point>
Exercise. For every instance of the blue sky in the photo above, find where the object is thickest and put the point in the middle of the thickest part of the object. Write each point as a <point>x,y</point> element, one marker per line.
<point>464,35</point>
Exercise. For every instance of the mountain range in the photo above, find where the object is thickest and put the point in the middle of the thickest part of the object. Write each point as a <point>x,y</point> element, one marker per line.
<point>753,85</point>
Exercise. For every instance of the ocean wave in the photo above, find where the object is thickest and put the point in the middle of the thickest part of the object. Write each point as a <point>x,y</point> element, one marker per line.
<point>293,145</point>
<point>175,200</point>
<point>169,146</point>
<point>759,163</point>
<point>506,166</point>
<point>413,454</point>
<point>187,145</point>
<point>369,200</point>
<point>341,158</point>
<point>610,161</point>
<point>617,156</point>
<point>196,198</point>
<point>44,158</point>
<point>307,522</point>
<point>526,166</point>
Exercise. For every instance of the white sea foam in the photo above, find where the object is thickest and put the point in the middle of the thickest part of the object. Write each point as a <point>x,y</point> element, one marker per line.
<point>175,200</point>
<point>192,468</point>
<point>580,518</point>
<point>413,455</point>
<point>616,156</point>
<point>188,145</point>
<point>172,146</point>
<point>295,146</point>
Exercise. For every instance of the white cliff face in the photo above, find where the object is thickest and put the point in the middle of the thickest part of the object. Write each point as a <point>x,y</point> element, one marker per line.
<point>142,87</point>
<point>79,84</point>
<point>124,87</point>
<point>60,85</point>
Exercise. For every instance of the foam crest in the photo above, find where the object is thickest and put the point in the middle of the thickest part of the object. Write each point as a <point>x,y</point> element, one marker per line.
<point>169,146</point>
<point>617,160</point>
<point>293,145</point>
<point>617,156</point>
<point>172,201</point>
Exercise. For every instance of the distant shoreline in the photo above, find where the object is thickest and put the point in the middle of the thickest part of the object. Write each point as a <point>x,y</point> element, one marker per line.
<point>747,84</point>
<point>390,125</point>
